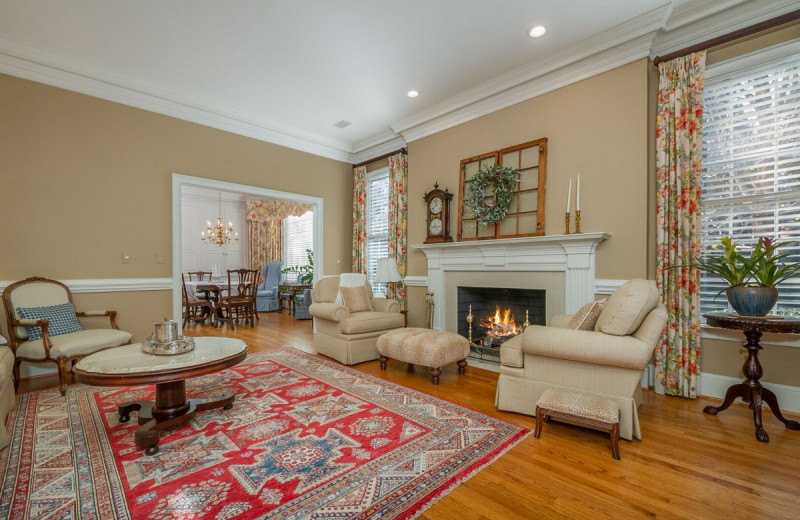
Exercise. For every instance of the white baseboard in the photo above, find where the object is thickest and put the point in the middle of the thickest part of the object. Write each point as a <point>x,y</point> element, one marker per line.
<point>713,385</point>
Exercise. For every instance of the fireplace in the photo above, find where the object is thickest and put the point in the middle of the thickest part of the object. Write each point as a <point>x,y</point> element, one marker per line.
<point>484,303</point>
<point>560,265</point>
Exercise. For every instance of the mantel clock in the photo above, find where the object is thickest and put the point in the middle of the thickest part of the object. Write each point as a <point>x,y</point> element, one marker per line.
<point>438,215</point>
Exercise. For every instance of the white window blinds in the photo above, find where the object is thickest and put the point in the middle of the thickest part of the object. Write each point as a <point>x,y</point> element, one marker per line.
<point>377,223</point>
<point>298,236</point>
<point>751,166</point>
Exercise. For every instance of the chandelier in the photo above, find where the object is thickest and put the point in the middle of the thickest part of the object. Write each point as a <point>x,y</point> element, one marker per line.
<point>219,234</point>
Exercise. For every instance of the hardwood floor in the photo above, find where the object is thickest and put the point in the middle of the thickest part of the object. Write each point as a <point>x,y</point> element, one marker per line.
<point>688,465</point>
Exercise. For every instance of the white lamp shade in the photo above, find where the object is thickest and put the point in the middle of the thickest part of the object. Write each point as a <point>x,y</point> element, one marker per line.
<point>387,271</point>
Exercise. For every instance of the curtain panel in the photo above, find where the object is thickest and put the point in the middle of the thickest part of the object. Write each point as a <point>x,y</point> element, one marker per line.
<point>678,198</point>
<point>360,220</point>
<point>398,217</point>
<point>265,240</point>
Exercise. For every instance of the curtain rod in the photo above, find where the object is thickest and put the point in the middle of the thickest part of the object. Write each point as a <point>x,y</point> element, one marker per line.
<point>375,159</point>
<point>731,36</point>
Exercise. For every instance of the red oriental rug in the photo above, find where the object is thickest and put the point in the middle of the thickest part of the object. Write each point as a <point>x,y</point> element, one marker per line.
<point>306,438</point>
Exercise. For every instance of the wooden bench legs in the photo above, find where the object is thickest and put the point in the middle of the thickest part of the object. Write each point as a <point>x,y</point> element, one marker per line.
<point>543,415</point>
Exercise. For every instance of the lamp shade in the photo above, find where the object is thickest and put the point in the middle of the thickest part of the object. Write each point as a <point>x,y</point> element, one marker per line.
<point>387,271</point>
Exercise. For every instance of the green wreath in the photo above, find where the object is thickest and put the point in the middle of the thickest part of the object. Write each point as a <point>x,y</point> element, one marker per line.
<point>501,183</point>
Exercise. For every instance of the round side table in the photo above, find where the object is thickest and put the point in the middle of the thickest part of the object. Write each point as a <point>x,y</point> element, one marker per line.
<point>750,390</point>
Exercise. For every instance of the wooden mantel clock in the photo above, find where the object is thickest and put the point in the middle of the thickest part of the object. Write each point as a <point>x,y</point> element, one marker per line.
<point>438,215</point>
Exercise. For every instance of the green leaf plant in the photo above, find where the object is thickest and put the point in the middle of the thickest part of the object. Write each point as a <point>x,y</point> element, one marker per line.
<point>762,268</point>
<point>305,273</point>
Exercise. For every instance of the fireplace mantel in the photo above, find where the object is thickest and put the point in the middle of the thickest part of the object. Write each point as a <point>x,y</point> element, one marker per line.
<point>574,255</point>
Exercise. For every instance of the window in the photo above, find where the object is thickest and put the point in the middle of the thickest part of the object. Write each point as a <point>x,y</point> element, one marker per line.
<point>377,223</point>
<point>751,161</point>
<point>298,235</point>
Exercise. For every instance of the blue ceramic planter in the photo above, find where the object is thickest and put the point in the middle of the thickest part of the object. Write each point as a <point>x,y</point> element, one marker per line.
<point>752,301</point>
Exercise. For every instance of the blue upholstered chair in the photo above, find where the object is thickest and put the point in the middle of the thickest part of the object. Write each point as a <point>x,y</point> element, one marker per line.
<point>267,293</point>
<point>301,304</point>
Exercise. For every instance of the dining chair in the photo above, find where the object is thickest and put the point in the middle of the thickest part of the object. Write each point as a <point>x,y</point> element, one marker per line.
<point>195,309</point>
<point>240,303</point>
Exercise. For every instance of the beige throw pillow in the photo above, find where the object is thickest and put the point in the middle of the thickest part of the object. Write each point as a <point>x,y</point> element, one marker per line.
<point>356,299</point>
<point>627,308</point>
<point>586,317</point>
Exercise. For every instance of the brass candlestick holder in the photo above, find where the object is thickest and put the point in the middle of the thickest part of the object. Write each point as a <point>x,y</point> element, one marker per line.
<point>577,221</point>
<point>566,223</point>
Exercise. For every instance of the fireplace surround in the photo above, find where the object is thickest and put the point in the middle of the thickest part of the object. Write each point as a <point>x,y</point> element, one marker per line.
<point>561,265</point>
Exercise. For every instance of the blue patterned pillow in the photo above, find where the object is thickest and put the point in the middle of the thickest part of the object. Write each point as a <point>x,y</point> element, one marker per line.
<point>61,317</point>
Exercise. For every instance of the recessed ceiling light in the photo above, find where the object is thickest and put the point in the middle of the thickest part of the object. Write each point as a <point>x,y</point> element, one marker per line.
<point>537,31</point>
<point>413,93</point>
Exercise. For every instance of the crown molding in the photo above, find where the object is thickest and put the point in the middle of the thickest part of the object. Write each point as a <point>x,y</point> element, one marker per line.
<point>606,50</point>
<point>698,10</point>
<point>377,146</point>
<point>35,65</point>
<point>714,18</point>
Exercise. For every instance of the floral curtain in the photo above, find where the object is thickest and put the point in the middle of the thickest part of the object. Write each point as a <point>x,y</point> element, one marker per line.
<point>265,240</point>
<point>266,210</point>
<point>360,219</point>
<point>398,217</point>
<point>265,228</point>
<point>679,181</point>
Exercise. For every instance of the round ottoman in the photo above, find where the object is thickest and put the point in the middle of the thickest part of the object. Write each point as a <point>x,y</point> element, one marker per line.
<point>430,348</point>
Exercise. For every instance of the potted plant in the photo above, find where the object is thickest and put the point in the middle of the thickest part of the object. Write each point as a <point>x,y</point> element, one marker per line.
<point>305,273</point>
<point>752,280</point>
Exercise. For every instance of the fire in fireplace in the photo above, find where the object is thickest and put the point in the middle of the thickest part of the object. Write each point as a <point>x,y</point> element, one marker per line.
<point>499,327</point>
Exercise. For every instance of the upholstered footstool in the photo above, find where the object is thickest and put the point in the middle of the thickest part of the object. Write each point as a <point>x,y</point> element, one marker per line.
<point>430,348</point>
<point>589,410</point>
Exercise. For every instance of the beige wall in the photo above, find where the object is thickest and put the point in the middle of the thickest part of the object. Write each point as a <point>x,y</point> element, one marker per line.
<point>84,180</point>
<point>596,128</point>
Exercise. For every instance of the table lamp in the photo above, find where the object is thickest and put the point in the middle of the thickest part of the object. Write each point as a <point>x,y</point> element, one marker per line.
<point>387,273</point>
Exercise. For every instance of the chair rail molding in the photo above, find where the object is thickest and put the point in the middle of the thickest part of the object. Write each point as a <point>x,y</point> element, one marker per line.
<point>102,285</point>
<point>574,255</point>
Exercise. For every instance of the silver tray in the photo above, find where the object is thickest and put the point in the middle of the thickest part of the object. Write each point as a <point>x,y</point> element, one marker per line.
<point>167,348</point>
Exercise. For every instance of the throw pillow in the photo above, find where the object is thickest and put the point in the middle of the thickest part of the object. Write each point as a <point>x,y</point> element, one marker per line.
<point>356,299</point>
<point>586,317</point>
<point>627,308</point>
<point>349,280</point>
<point>61,317</point>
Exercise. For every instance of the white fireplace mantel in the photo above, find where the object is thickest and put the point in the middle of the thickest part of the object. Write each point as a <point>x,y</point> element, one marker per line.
<point>572,254</point>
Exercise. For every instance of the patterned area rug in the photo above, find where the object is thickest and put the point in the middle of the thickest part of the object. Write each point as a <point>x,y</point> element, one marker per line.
<point>306,438</point>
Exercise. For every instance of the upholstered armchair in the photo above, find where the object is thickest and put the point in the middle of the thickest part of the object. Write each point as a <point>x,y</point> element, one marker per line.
<point>7,393</point>
<point>348,331</point>
<point>602,351</point>
<point>267,292</point>
<point>301,304</point>
<point>43,326</point>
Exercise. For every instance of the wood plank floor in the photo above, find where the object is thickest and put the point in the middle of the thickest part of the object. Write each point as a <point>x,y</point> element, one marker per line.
<point>688,465</point>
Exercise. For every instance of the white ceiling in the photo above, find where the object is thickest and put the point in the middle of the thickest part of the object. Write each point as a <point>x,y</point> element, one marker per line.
<point>287,71</point>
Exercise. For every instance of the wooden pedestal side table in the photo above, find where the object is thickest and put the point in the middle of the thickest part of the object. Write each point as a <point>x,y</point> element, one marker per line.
<point>129,366</point>
<point>750,390</point>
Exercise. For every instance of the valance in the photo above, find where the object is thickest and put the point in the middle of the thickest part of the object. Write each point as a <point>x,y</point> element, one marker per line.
<point>266,210</point>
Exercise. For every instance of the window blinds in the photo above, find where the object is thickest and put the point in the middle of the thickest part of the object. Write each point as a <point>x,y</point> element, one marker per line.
<point>751,166</point>
<point>377,223</point>
<point>299,236</point>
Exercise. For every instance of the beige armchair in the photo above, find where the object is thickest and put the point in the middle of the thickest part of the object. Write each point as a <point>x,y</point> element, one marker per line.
<point>43,326</point>
<point>350,336</point>
<point>607,360</point>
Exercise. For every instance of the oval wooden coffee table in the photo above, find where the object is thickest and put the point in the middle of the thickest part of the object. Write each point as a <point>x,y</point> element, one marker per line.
<point>130,366</point>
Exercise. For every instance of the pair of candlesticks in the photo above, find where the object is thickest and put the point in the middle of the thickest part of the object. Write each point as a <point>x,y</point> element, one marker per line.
<point>577,222</point>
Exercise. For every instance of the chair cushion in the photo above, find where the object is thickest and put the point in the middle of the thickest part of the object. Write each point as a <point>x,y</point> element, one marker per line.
<point>356,299</point>
<point>371,321</point>
<point>627,308</point>
<point>75,344</point>
<point>61,318</point>
<point>586,317</point>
